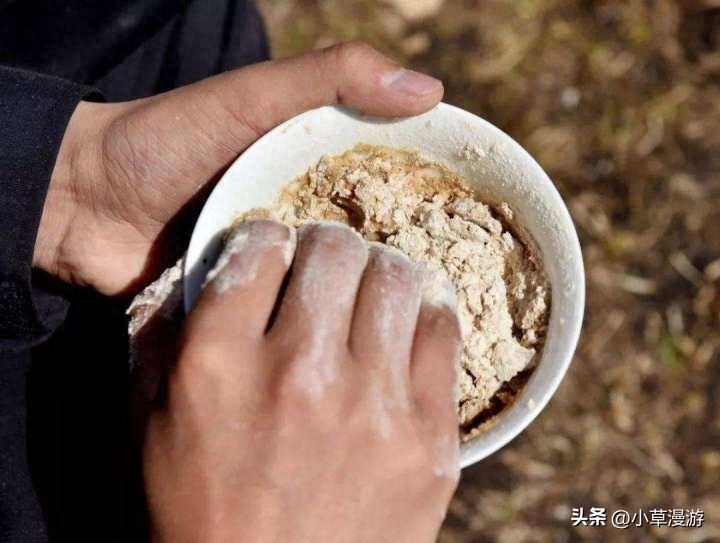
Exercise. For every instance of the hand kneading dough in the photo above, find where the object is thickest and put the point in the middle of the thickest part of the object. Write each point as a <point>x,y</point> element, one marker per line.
<point>397,198</point>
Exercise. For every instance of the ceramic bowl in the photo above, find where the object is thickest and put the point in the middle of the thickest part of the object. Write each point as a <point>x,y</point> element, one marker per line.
<point>498,169</point>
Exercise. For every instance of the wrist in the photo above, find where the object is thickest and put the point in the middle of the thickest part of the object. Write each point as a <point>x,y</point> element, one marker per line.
<point>76,162</point>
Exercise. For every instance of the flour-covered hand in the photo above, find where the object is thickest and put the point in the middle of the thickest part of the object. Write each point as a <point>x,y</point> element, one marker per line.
<point>323,410</point>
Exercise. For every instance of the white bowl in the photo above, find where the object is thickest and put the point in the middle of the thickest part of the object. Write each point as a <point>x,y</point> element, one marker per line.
<point>500,171</point>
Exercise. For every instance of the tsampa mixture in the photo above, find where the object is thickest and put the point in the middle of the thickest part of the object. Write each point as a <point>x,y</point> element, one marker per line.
<point>429,213</point>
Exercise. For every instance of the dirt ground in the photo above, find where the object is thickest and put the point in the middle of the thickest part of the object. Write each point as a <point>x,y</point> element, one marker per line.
<point>620,103</point>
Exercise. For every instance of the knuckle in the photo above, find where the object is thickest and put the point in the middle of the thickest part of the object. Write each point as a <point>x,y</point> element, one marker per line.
<point>305,410</point>
<point>329,232</point>
<point>394,268</point>
<point>202,360</point>
<point>349,53</point>
<point>430,465</point>
<point>335,239</point>
<point>250,243</point>
<point>211,345</point>
<point>309,385</point>
<point>195,370</point>
<point>221,104</point>
<point>265,235</point>
<point>269,230</point>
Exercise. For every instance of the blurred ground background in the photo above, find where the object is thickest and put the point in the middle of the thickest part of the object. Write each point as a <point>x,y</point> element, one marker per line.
<point>620,103</point>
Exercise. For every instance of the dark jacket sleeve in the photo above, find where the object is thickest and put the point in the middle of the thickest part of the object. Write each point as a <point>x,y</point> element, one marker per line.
<point>34,112</point>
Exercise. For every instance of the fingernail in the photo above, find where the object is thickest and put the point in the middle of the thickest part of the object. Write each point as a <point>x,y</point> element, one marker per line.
<point>410,82</point>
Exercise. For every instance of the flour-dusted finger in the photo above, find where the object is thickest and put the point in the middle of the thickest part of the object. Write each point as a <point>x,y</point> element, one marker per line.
<point>241,290</point>
<point>434,370</point>
<point>384,325</point>
<point>314,318</point>
<point>437,344</point>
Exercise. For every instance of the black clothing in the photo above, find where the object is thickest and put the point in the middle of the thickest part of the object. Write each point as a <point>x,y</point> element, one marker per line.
<point>66,470</point>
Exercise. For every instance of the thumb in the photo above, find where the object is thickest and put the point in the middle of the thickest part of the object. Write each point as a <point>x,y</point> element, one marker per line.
<point>250,101</point>
<point>352,74</point>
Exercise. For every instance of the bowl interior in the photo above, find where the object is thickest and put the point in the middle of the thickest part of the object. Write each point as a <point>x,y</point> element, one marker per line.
<point>498,169</point>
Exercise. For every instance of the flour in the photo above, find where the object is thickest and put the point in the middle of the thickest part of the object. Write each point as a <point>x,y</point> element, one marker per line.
<point>472,152</point>
<point>247,238</point>
<point>164,294</point>
<point>428,213</point>
<point>158,308</point>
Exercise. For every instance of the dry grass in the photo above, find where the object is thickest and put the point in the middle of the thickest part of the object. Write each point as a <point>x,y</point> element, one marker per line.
<point>620,102</point>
